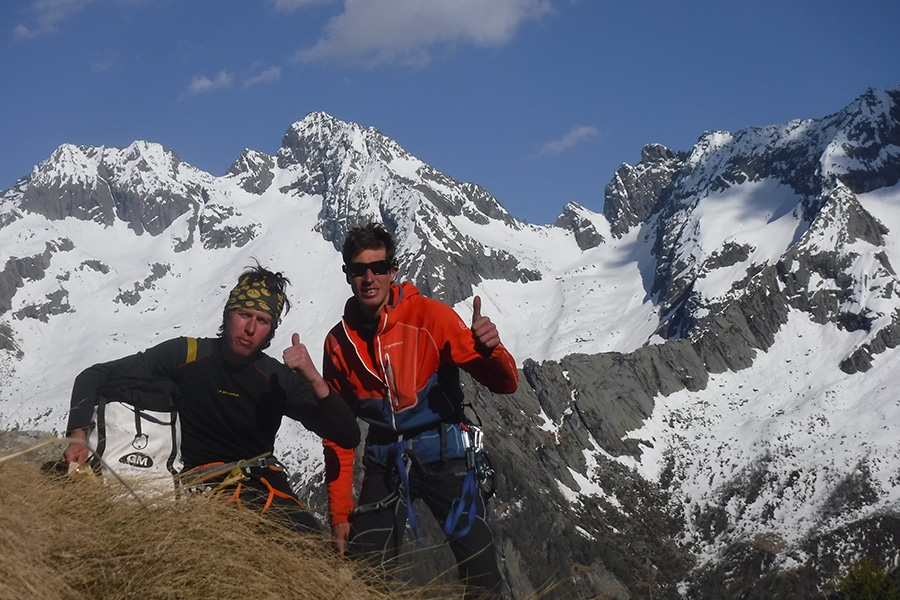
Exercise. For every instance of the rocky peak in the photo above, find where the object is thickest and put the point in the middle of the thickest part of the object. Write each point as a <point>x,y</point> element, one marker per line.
<point>865,147</point>
<point>770,268</point>
<point>144,185</point>
<point>320,138</point>
<point>347,166</point>
<point>364,176</point>
<point>253,170</point>
<point>635,191</point>
<point>578,220</point>
<point>811,157</point>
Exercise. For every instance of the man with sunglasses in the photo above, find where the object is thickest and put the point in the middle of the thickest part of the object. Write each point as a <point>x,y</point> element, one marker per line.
<point>232,396</point>
<point>395,358</point>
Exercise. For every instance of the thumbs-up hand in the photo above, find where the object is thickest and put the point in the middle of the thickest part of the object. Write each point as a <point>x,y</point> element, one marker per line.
<point>296,357</point>
<point>483,330</point>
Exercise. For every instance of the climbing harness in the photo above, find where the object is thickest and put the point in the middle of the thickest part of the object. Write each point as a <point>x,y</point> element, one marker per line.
<point>406,453</point>
<point>477,461</point>
<point>217,477</point>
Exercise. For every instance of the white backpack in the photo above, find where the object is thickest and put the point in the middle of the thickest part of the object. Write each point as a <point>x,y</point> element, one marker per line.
<point>136,432</point>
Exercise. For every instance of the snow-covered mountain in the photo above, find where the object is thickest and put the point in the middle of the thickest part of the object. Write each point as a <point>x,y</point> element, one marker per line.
<point>707,388</point>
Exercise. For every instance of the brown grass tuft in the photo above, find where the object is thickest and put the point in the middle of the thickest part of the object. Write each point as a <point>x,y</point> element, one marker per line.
<point>62,538</point>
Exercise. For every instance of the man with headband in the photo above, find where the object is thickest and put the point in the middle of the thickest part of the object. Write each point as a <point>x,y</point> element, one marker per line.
<point>232,395</point>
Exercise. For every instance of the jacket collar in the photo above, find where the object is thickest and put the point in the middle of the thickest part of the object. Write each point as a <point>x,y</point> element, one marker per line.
<point>353,316</point>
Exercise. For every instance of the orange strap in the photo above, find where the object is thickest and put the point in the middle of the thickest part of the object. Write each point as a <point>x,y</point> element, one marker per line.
<point>236,495</point>
<point>272,493</point>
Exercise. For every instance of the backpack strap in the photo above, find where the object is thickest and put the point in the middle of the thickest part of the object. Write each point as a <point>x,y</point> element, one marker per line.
<point>191,350</point>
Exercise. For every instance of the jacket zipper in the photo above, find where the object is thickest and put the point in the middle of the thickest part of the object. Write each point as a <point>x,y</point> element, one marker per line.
<point>388,379</point>
<point>391,383</point>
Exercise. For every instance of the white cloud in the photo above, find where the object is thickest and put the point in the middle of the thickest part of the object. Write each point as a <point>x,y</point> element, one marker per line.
<point>203,84</point>
<point>268,76</point>
<point>292,5</point>
<point>105,62</point>
<point>577,135</point>
<point>47,15</point>
<point>383,31</point>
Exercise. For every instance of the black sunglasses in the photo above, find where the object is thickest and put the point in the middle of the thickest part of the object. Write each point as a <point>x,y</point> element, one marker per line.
<point>379,267</point>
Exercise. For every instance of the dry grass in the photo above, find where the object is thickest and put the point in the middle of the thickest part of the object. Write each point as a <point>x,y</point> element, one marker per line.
<point>62,538</point>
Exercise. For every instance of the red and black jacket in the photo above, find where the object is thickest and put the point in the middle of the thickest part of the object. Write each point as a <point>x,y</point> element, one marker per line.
<point>401,377</point>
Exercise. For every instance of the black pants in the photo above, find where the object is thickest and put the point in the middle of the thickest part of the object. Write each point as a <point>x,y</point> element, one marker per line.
<point>266,490</point>
<point>377,534</point>
<point>283,503</point>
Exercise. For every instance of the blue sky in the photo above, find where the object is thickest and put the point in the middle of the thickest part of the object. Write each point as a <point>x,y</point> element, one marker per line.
<point>538,101</point>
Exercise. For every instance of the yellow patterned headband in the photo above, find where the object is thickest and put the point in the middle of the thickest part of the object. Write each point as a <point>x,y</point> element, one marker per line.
<point>250,293</point>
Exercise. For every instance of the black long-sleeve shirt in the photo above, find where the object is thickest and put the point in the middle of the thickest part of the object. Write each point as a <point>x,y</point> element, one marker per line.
<point>228,412</point>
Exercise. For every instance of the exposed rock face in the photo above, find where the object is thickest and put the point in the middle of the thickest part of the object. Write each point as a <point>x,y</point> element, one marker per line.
<point>635,191</point>
<point>141,185</point>
<point>808,157</point>
<point>8,343</point>
<point>575,219</point>
<point>144,186</point>
<point>132,296</point>
<point>17,270</point>
<point>254,170</point>
<point>569,515</point>
<point>216,231</point>
<point>594,401</point>
<point>363,176</point>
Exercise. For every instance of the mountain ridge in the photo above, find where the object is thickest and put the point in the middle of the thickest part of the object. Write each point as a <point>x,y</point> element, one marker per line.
<point>689,357</point>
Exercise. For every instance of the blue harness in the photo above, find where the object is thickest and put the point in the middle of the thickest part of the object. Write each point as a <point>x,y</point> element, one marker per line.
<point>446,441</point>
<point>468,495</point>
